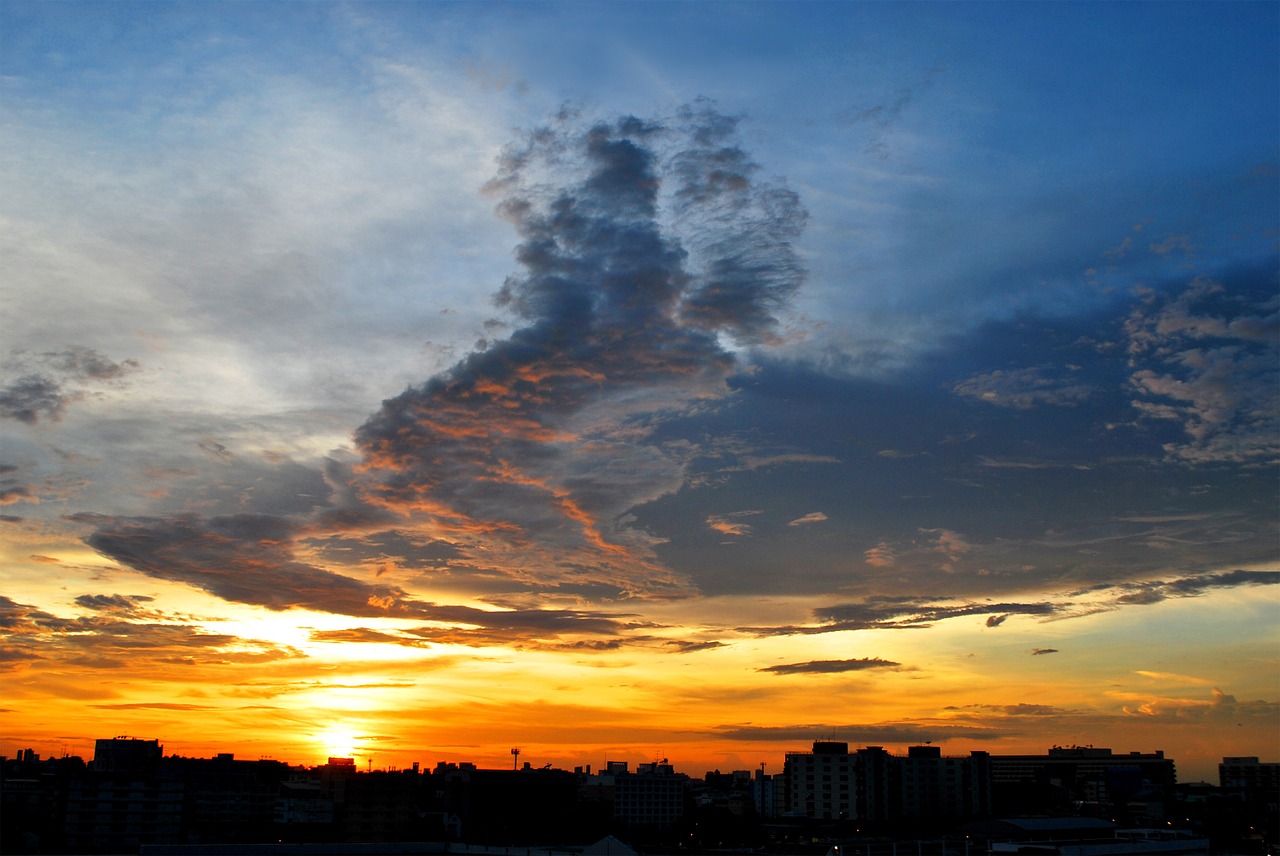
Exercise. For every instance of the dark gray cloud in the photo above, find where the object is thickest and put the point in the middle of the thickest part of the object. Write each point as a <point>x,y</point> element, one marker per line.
<point>908,612</point>
<point>44,388</point>
<point>860,734</point>
<point>88,364</point>
<point>248,558</point>
<point>740,236</point>
<point>402,548</point>
<point>1036,652</point>
<point>640,243</point>
<point>831,666</point>
<point>115,603</point>
<point>364,634</point>
<point>883,613</point>
<point>31,397</point>
<point>1157,591</point>
<point>692,647</point>
<point>11,492</point>
<point>1017,709</point>
<point>244,558</point>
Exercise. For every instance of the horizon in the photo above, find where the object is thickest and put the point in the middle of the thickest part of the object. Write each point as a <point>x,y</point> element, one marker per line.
<point>594,767</point>
<point>634,380</point>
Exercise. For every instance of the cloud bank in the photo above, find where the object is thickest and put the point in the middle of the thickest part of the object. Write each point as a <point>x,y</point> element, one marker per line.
<point>645,246</point>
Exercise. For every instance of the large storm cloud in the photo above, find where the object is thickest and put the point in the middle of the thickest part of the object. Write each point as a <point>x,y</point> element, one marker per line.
<point>647,248</point>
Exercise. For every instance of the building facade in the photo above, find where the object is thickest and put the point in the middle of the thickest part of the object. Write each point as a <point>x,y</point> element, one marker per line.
<point>820,784</point>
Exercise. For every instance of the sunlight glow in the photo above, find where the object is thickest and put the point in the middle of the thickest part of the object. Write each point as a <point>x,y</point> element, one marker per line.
<point>339,742</point>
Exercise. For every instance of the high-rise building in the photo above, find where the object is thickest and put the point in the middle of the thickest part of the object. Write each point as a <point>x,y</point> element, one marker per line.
<point>820,784</point>
<point>871,785</point>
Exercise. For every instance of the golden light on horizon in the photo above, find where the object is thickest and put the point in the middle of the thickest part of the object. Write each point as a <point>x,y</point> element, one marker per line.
<point>339,741</point>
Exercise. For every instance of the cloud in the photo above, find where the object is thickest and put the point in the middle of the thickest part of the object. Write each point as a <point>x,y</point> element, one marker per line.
<point>860,734</point>
<point>44,393</point>
<point>907,612</point>
<point>32,396</point>
<point>1036,652</point>
<point>641,244</point>
<point>692,647</point>
<point>119,635</point>
<point>1145,593</point>
<point>1220,706</point>
<point>364,634</point>
<point>884,613</point>
<point>830,666</point>
<point>243,558</point>
<point>1025,388</point>
<point>1170,677</point>
<point>118,604</point>
<point>725,526</point>
<point>214,449</point>
<point>11,493</point>
<point>1208,357</point>
<point>811,517</point>
<point>154,705</point>
<point>248,558</point>
<point>87,364</point>
<point>1019,709</point>
<point>880,556</point>
<point>880,122</point>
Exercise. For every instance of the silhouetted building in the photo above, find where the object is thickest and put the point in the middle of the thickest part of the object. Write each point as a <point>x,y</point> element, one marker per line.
<point>936,787</point>
<point>873,786</point>
<point>820,783</point>
<point>768,794</point>
<point>1250,790</point>
<point>131,754</point>
<point>1257,781</point>
<point>130,796</point>
<point>1078,780</point>
<point>653,796</point>
<point>228,800</point>
<point>124,800</point>
<point>506,806</point>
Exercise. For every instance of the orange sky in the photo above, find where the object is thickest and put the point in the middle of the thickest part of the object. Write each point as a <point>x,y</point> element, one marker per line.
<point>262,686</point>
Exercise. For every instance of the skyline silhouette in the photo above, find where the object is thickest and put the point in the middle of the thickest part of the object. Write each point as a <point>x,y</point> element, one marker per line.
<point>131,795</point>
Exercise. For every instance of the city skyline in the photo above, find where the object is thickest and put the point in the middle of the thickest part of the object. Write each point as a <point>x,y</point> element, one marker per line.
<point>143,754</point>
<point>416,381</point>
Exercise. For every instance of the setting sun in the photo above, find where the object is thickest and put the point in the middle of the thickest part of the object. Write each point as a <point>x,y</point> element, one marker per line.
<point>339,743</point>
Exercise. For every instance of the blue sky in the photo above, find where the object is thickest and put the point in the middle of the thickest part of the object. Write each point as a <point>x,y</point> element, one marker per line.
<point>752,331</point>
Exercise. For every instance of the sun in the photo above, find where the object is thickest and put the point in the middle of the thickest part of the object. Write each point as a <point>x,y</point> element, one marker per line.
<point>338,742</point>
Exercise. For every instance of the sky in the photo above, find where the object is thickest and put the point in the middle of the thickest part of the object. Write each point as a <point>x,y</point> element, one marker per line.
<point>611,381</point>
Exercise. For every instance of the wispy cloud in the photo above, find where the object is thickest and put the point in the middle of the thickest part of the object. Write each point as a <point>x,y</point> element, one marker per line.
<point>858,734</point>
<point>831,666</point>
<point>1208,358</point>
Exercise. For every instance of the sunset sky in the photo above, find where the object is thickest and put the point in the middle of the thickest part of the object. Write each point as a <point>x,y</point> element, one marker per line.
<point>416,381</point>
